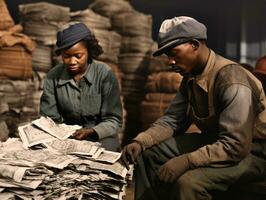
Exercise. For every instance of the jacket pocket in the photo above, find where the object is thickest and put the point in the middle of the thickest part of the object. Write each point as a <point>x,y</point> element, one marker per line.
<point>91,104</point>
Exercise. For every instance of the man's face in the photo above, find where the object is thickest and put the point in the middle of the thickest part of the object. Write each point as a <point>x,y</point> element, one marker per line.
<point>262,78</point>
<point>183,57</point>
<point>76,58</point>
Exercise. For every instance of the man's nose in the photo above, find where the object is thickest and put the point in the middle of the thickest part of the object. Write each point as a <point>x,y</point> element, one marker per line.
<point>171,61</point>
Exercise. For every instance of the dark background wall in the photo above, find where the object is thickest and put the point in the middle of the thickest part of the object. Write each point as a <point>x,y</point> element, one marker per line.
<point>223,18</point>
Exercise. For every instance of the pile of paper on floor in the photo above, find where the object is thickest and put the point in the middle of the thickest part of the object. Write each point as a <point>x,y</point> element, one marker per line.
<point>42,166</point>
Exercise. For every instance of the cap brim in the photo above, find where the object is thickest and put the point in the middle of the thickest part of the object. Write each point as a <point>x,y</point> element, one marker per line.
<point>58,50</point>
<point>170,44</point>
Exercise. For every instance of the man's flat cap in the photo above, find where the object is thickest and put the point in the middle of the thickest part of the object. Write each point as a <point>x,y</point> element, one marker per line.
<point>178,30</point>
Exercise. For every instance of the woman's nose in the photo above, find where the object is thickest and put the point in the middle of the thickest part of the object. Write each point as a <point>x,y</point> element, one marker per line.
<point>72,61</point>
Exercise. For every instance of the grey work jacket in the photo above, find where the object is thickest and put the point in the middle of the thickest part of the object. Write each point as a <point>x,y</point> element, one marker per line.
<point>94,102</point>
<point>231,125</point>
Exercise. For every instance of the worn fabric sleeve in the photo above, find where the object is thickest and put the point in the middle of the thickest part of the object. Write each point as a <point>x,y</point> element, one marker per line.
<point>48,104</point>
<point>111,109</point>
<point>235,129</point>
<point>175,120</point>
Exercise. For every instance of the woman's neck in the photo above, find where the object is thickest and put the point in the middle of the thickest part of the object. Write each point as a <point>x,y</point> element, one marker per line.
<point>78,77</point>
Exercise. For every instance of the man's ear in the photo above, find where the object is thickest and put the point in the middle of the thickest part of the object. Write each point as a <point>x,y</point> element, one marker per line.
<point>195,44</point>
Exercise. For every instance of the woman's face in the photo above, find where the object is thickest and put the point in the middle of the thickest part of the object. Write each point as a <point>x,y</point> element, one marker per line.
<point>76,58</point>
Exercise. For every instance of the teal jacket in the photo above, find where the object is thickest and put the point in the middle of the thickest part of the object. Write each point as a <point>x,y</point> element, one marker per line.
<point>94,102</point>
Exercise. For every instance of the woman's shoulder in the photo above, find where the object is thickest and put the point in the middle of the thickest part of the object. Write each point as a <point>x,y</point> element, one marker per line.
<point>56,70</point>
<point>102,69</point>
<point>101,65</point>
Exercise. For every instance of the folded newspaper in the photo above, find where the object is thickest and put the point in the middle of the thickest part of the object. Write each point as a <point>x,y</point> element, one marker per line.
<point>85,149</point>
<point>31,135</point>
<point>60,131</point>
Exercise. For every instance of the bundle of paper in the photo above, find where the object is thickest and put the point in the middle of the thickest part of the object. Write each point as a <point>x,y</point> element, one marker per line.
<point>44,130</point>
<point>60,131</point>
<point>31,135</point>
<point>51,173</point>
<point>85,149</point>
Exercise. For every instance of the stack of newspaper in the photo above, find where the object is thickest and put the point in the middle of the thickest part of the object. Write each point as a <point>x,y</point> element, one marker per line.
<point>39,167</point>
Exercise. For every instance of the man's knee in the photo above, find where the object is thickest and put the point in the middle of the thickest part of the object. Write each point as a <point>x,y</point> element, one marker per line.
<point>190,186</point>
<point>148,153</point>
<point>186,181</point>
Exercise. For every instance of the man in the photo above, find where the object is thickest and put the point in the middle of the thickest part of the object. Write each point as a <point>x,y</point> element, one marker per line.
<point>223,100</point>
<point>260,71</point>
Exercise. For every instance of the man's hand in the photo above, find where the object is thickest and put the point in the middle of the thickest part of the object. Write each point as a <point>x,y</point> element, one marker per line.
<point>174,168</point>
<point>85,133</point>
<point>130,153</point>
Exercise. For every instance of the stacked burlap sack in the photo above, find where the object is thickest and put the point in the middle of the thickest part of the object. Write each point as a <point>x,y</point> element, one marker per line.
<point>18,87</point>
<point>41,21</point>
<point>135,29</point>
<point>134,61</point>
<point>161,87</point>
<point>6,21</point>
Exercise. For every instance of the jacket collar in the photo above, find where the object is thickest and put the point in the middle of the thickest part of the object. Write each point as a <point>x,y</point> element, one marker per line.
<point>65,77</point>
<point>203,79</point>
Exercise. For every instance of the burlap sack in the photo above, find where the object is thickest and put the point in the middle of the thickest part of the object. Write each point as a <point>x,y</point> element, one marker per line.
<point>110,41</point>
<point>134,63</point>
<point>16,63</point>
<point>43,12</point>
<point>111,7</point>
<point>6,21</point>
<point>133,24</point>
<point>91,19</point>
<point>168,82</point>
<point>139,44</point>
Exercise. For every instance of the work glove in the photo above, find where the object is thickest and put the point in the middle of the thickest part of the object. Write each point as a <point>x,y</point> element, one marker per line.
<point>130,153</point>
<point>85,134</point>
<point>174,168</point>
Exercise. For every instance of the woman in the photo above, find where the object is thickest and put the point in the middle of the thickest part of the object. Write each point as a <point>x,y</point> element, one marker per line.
<point>83,91</point>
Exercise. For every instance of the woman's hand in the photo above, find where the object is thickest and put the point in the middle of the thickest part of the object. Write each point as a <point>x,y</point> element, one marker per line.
<point>85,133</point>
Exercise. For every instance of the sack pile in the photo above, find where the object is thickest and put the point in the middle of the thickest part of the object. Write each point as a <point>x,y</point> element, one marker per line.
<point>161,87</point>
<point>41,21</point>
<point>6,21</point>
<point>18,87</point>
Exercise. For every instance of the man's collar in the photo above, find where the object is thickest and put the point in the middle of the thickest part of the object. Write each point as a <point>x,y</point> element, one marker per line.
<point>203,79</point>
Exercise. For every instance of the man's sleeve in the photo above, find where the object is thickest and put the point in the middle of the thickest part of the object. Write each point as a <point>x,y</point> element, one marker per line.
<point>175,119</point>
<point>235,129</point>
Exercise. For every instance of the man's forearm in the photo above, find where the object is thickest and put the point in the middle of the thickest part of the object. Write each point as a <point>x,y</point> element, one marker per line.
<point>154,135</point>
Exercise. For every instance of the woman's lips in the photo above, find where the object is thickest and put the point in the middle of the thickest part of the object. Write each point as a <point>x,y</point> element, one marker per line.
<point>72,68</point>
